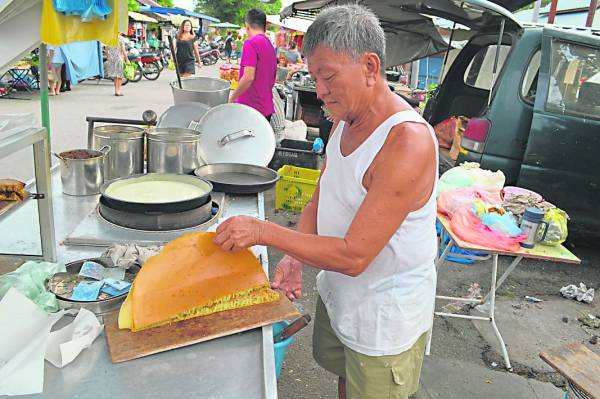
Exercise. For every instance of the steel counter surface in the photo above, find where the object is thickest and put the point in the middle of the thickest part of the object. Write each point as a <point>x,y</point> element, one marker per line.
<point>237,366</point>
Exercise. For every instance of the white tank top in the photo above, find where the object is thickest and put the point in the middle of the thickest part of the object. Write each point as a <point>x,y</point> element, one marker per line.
<point>385,309</point>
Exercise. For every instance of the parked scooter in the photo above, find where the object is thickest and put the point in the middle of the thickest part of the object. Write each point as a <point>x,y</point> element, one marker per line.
<point>210,57</point>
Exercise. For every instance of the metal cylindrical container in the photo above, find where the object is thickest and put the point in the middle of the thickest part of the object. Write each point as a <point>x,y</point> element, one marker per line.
<point>127,155</point>
<point>82,171</point>
<point>173,150</point>
<point>532,219</point>
<point>209,91</point>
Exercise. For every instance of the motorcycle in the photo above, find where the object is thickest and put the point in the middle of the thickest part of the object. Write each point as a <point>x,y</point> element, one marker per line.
<point>210,56</point>
<point>150,65</point>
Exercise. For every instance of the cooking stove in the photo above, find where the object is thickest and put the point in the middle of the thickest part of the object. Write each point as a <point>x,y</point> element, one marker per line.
<point>95,230</point>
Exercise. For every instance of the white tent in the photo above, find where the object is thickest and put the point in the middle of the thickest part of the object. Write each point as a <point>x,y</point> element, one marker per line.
<point>19,30</point>
<point>292,23</point>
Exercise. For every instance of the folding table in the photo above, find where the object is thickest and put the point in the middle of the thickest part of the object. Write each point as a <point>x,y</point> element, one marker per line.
<point>550,253</point>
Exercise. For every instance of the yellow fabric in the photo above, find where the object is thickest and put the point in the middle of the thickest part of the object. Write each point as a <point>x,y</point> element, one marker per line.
<point>193,277</point>
<point>58,29</point>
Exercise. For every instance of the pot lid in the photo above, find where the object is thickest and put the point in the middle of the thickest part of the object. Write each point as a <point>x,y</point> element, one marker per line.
<point>181,115</point>
<point>236,133</point>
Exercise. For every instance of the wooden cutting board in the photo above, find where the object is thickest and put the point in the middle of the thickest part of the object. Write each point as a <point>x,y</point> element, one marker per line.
<point>125,345</point>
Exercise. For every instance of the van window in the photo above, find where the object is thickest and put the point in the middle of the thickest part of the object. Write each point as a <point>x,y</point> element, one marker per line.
<point>529,84</point>
<point>574,79</point>
<point>479,71</point>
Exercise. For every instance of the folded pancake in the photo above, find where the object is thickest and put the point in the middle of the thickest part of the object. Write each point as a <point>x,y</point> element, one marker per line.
<point>12,190</point>
<point>193,277</point>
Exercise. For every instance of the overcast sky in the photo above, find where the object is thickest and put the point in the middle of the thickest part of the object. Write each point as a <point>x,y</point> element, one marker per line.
<point>187,4</point>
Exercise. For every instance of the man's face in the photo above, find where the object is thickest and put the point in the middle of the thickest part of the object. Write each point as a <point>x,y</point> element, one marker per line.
<point>342,83</point>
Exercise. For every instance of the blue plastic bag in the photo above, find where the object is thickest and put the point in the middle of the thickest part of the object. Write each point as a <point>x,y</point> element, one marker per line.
<point>505,224</point>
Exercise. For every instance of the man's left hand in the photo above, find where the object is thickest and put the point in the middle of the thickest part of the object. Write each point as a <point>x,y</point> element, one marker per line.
<point>239,232</point>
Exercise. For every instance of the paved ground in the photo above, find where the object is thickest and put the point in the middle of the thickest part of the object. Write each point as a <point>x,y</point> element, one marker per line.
<point>464,363</point>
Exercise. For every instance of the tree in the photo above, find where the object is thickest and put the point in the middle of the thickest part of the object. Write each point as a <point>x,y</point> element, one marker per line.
<point>166,3</point>
<point>132,5</point>
<point>234,10</point>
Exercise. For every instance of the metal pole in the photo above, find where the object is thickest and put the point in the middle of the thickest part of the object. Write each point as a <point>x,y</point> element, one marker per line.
<point>494,71</point>
<point>43,70</point>
<point>591,13</point>
<point>536,11</point>
<point>552,14</point>
<point>414,74</point>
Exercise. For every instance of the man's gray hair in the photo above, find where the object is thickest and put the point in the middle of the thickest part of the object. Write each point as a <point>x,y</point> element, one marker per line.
<point>349,29</point>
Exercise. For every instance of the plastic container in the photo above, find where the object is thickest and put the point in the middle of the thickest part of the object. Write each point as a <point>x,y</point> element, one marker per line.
<point>280,347</point>
<point>295,152</point>
<point>295,188</point>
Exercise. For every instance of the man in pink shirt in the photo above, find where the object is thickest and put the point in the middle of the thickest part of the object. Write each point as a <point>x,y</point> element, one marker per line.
<point>259,66</point>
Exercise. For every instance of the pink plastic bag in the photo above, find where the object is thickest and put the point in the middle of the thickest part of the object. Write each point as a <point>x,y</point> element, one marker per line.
<point>450,201</point>
<point>468,227</point>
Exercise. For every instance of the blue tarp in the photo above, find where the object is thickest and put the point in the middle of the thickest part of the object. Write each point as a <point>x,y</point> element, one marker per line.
<point>83,60</point>
<point>178,11</point>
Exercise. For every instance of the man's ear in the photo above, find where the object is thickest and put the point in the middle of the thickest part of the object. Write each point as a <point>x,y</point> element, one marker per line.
<point>372,68</point>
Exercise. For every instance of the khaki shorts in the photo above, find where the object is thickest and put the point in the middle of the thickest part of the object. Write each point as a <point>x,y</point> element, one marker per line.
<point>394,377</point>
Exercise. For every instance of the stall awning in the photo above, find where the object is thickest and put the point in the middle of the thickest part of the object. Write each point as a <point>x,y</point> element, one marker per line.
<point>141,17</point>
<point>224,25</point>
<point>178,20</point>
<point>179,11</point>
<point>292,23</point>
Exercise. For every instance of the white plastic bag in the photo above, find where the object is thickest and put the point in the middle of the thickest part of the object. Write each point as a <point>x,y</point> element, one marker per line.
<point>469,174</point>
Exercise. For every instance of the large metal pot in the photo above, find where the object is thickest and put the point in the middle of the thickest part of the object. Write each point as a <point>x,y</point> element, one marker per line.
<point>209,91</point>
<point>173,150</point>
<point>127,144</point>
<point>82,171</point>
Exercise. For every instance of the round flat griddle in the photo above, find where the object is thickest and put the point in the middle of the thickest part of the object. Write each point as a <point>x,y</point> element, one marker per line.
<point>156,221</point>
<point>132,206</point>
<point>238,178</point>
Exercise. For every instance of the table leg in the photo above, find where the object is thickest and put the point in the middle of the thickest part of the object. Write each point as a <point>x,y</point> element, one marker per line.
<point>512,266</point>
<point>492,308</point>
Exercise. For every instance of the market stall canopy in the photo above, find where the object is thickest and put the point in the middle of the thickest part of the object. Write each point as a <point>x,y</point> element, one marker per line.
<point>225,25</point>
<point>141,17</point>
<point>178,20</point>
<point>291,23</point>
<point>178,11</point>
<point>14,14</point>
<point>410,31</point>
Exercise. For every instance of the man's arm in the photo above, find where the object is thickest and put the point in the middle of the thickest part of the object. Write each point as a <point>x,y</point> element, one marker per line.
<point>396,188</point>
<point>244,83</point>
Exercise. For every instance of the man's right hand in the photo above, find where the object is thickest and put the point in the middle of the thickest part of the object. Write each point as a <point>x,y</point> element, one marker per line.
<point>288,277</point>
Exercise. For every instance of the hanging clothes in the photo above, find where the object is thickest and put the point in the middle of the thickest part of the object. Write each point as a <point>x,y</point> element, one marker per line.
<point>58,29</point>
<point>82,60</point>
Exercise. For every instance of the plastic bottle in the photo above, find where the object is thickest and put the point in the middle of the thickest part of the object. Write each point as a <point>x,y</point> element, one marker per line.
<point>318,145</point>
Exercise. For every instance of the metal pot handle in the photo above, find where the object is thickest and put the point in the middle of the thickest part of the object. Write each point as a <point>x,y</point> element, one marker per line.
<point>105,147</point>
<point>57,156</point>
<point>231,137</point>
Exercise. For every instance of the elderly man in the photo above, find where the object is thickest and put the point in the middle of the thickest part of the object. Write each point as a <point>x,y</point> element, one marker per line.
<point>370,225</point>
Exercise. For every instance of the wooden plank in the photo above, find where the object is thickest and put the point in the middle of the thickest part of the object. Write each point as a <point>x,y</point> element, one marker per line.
<point>125,345</point>
<point>578,364</point>
<point>544,252</point>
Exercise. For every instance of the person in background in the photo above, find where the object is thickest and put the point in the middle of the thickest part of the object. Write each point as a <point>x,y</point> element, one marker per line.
<point>114,63</point>
<point>186,49</point>
<point>228,46</point>
<point>239,43</point>
<point>55,64</point>
<point>292,55</point>
<point>259,65</point>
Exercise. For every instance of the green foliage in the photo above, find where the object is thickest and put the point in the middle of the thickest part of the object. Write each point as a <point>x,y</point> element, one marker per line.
<point>132,5</point>
<point>166,3</point>
<point>234,10</point>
